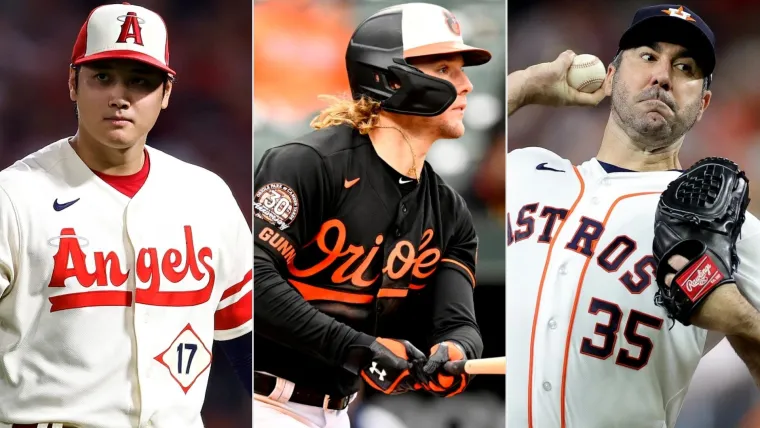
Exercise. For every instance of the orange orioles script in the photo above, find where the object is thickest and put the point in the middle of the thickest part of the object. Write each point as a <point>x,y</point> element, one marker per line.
<point>422,261</point>
<point>149,268</point>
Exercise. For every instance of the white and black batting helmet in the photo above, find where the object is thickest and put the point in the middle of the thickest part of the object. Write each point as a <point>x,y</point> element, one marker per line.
<point>378,50</point>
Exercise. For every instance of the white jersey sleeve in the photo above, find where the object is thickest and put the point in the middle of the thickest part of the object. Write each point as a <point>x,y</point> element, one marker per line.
<point>747,274</point>
<point>234,314</point>
<point>9,241</point>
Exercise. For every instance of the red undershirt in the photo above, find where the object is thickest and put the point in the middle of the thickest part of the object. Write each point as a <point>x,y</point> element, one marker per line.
<point>128,184</point>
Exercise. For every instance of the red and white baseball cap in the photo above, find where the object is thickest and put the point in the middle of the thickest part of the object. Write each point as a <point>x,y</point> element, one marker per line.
<point>123,31</point>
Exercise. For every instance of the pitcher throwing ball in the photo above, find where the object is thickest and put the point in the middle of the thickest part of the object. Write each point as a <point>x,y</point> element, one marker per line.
<point>622,271</point>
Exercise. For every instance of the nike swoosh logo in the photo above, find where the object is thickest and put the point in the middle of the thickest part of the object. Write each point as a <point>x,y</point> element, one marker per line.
<point>349,183</point>
<point>60,207</point>
<point>543,167</point>
<point>401,181</point>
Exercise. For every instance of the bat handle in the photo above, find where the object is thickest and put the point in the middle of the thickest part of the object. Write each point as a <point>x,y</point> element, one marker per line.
<point>455,367</point>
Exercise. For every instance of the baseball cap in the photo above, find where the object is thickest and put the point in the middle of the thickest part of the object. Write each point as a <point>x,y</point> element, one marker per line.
<point>675,24</point>
<point>123,31</point>
<point>421,29</point>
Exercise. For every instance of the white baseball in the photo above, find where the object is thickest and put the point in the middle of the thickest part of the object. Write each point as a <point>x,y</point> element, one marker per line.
<point>587,73</point>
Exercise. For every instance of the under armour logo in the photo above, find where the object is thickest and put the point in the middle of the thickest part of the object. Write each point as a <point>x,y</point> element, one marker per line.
<point>380,373</point>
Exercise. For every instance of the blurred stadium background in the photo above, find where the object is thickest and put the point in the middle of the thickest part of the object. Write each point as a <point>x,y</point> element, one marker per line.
<point>299,48</point>
<point>208,121</point>
<point>722,392</point>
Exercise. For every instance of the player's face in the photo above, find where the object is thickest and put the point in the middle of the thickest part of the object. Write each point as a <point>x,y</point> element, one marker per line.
<point>119,101</point>
<point>450,124</point>
<point>657,94</point>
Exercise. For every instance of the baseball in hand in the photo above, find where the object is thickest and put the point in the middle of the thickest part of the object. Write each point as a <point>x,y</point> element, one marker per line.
<point>587,73</point>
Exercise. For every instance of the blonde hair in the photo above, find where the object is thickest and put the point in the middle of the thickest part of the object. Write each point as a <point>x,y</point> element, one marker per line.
<point>362,114</point>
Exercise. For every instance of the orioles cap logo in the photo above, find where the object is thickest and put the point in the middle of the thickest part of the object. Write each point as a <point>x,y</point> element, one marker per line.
<point>452,22</point>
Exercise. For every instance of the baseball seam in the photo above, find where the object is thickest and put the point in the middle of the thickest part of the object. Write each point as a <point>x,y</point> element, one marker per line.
<point>588,82</point>
<point>585,64</point>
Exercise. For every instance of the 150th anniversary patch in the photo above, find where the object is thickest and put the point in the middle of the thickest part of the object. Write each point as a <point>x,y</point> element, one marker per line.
<point>277,204</point>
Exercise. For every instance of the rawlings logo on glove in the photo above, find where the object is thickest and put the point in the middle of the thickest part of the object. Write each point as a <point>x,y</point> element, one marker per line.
<point>699,218</point>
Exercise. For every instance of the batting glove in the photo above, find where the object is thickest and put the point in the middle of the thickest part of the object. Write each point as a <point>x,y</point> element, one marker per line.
<point>443,383</point>
<point>395,367</point>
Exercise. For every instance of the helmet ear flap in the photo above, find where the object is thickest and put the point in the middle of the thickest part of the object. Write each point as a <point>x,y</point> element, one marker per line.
<point>418,93</point>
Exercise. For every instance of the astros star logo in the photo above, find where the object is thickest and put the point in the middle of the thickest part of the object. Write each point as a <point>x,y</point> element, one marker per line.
<point>679,13</point>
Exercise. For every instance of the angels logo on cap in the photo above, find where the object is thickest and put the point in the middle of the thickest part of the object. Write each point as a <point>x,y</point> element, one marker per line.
<point>123,31</point>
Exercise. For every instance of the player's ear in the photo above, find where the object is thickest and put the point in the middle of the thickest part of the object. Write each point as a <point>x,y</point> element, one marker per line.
<point>72,84</point>
<point>607,84</point>
<point>706,97</point>
<point>168,85</point>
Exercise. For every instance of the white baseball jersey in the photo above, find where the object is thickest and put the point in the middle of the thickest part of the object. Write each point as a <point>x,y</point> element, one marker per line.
<point>587,346</point>
<point>110,305</point>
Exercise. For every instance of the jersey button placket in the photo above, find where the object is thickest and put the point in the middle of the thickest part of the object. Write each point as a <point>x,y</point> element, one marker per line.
<point>562,269</point>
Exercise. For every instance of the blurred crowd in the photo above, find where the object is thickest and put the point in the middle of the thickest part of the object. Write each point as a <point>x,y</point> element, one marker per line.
<point>208,121</point>
<point>722,392</point>
<point>299,48</point>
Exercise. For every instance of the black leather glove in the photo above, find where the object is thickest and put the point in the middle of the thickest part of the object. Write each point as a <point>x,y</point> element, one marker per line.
<point>699,217</point>
<point>441,382</point>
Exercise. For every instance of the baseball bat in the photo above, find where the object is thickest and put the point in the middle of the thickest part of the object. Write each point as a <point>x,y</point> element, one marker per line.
<point>495,365</point>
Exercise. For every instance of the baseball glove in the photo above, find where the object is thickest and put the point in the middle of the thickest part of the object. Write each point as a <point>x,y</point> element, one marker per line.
<point>699,217</point>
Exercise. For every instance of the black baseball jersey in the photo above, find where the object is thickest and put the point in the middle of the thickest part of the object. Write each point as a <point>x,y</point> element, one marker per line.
<point>347,250</point>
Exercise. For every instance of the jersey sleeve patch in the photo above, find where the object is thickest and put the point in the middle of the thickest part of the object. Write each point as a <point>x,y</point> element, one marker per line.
<point>277,204</point>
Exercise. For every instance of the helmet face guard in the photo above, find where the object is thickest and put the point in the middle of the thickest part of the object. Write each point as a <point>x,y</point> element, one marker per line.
<point>377,52</point>
<point>420,94</point>
<point>403,89</point>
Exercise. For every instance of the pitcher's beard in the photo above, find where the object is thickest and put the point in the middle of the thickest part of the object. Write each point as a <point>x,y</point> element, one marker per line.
<point>649,132</point>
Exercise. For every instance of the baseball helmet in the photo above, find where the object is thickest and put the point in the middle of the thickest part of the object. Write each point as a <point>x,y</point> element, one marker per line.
<point>377,54</point>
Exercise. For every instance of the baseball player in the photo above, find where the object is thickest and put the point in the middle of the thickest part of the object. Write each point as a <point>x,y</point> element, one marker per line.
<point>119,264</point>
<point>588,346</point>
<point>364,257</point>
